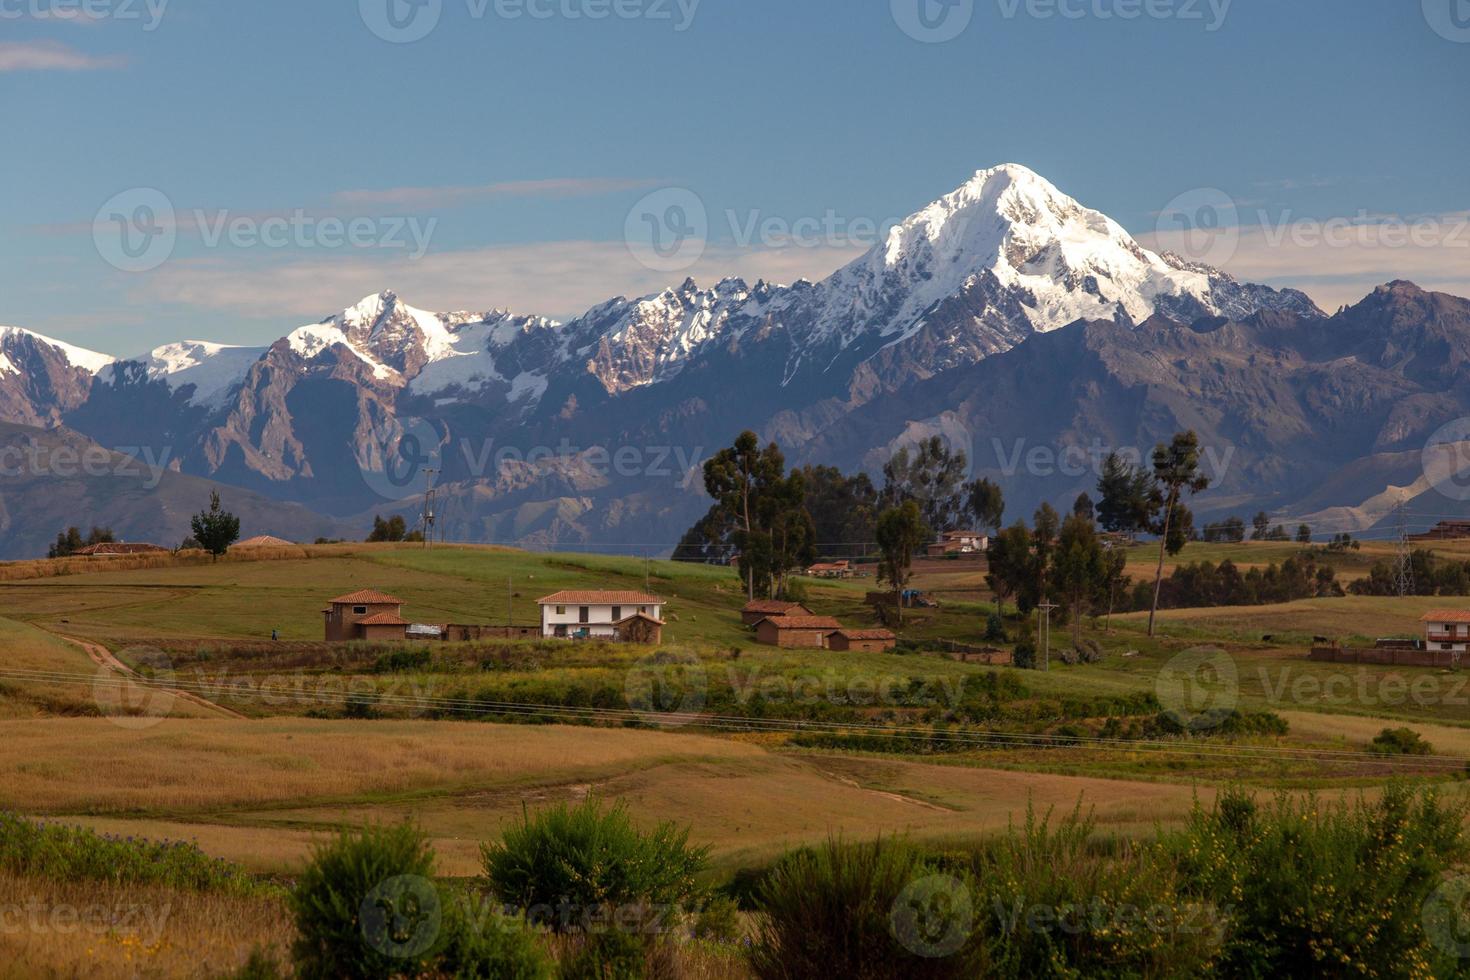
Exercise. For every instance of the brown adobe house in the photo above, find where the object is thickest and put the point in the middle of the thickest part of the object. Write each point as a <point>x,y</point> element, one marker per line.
<point>115,549</point>
<point>365,615</point>
<point>758,609</point>
<point>640,628</point>
<point>862,641</point>
<point>796,631</point>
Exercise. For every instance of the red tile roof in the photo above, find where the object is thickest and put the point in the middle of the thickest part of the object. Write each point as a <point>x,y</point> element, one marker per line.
<point>605,598</point>
<point>383,619</point>
<point>643,616</point>
<point>1445,616</point>
<point>770,606</point>
<point>803,622</point>
<point>117,548</point>
<point>367,597</point>
<point>867,634</point>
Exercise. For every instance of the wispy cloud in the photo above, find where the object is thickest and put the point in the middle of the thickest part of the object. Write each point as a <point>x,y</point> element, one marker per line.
<point>556,279</point>
<point>52,56</point>
<point>1338,261</point>
<point>429,198</point>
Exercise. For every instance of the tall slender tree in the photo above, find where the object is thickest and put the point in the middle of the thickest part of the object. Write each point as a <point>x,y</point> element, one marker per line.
<point>987,504</point>
<point>900,532</point>
<point>1176,472</point>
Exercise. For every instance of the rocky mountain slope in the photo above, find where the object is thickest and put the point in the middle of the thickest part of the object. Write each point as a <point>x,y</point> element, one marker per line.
<point>586,432</point>
<point>1311,417</point>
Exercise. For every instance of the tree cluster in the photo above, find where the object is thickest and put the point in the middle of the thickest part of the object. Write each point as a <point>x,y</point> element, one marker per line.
<point>70,541</point>
<point>1432,576</point>
<point>393,529</point>
<point>1205,584</point>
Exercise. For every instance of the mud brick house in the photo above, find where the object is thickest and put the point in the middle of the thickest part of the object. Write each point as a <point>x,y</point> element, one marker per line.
<point>796,631</point>
<point>365,615</point>
<point>862,640</point>
<point>639,628</point>
<point>756,610</point>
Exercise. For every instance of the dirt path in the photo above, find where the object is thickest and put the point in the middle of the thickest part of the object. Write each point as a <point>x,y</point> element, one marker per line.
<point>103,657</point>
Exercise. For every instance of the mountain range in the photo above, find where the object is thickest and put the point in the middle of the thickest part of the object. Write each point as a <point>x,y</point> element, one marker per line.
<point>1005,316</point>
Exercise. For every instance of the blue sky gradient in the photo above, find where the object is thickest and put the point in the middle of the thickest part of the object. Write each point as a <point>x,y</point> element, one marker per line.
<point>525,141</point>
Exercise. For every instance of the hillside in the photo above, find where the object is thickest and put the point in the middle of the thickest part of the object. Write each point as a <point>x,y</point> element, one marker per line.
<point>51,479</point>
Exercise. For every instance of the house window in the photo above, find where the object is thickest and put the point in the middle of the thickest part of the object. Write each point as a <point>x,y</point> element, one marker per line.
<point>1446,646</point>
<point>583,615</point>
<point>561,610</point>
<point>617,614</point>
<point>359,610</point>
<point>643,610</point>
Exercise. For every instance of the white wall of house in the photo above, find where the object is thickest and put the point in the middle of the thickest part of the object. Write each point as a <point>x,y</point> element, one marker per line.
<point>1447,636</point>
<point>597,620</point>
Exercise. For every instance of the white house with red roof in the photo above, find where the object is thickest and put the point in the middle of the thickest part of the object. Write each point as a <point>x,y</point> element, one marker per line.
<point>598,613</point>
<point>1446,629</point>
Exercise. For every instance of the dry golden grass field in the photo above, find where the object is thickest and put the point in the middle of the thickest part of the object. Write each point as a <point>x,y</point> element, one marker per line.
<point>83,742</point>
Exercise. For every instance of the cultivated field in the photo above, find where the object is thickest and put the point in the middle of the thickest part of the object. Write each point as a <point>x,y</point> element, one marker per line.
<point>258,750</point>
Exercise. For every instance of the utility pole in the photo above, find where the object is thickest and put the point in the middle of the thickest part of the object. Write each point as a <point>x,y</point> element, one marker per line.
<point>1404,567</point>
<point>428,515</point>
<point>1046,608</point>
<point>510,601</point>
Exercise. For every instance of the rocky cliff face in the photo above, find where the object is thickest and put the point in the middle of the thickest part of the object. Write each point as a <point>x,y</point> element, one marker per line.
<point>1005,309</point>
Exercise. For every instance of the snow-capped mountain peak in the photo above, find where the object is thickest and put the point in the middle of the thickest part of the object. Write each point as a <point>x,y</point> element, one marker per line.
<point>1009,242</point>
<point>13,339</point>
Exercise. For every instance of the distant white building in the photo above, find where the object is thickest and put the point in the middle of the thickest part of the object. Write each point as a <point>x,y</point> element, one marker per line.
<point>1447,629</point>
<point>585,615</point>
<point>959,543</point>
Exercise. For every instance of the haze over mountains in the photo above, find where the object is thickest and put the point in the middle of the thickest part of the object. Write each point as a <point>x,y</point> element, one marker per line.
<point>1005,316</point>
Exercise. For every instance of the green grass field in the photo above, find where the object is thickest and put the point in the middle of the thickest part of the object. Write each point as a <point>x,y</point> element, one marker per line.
<point>132,759</point>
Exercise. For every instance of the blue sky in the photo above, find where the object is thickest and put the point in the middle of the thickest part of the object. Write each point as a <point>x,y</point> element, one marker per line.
<point>496,161</point>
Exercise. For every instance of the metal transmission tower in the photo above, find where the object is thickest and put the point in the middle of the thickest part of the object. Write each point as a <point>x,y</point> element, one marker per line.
<point>1046,608</point>
<point>1404,565</point>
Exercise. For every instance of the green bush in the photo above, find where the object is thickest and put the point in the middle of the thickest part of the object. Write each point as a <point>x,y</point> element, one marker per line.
<point>1399,741</point>
<point>719,920</point>
<point>1055,902</point>
<point>995,628</point>
<point>867,911</point>
<point>62,853</point>
<point>611,955</point>
<point>1317,889</point>
<point>571,867</point>
<point>501,948</point>
<point>367,906</point>
<point>1024,655</point>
